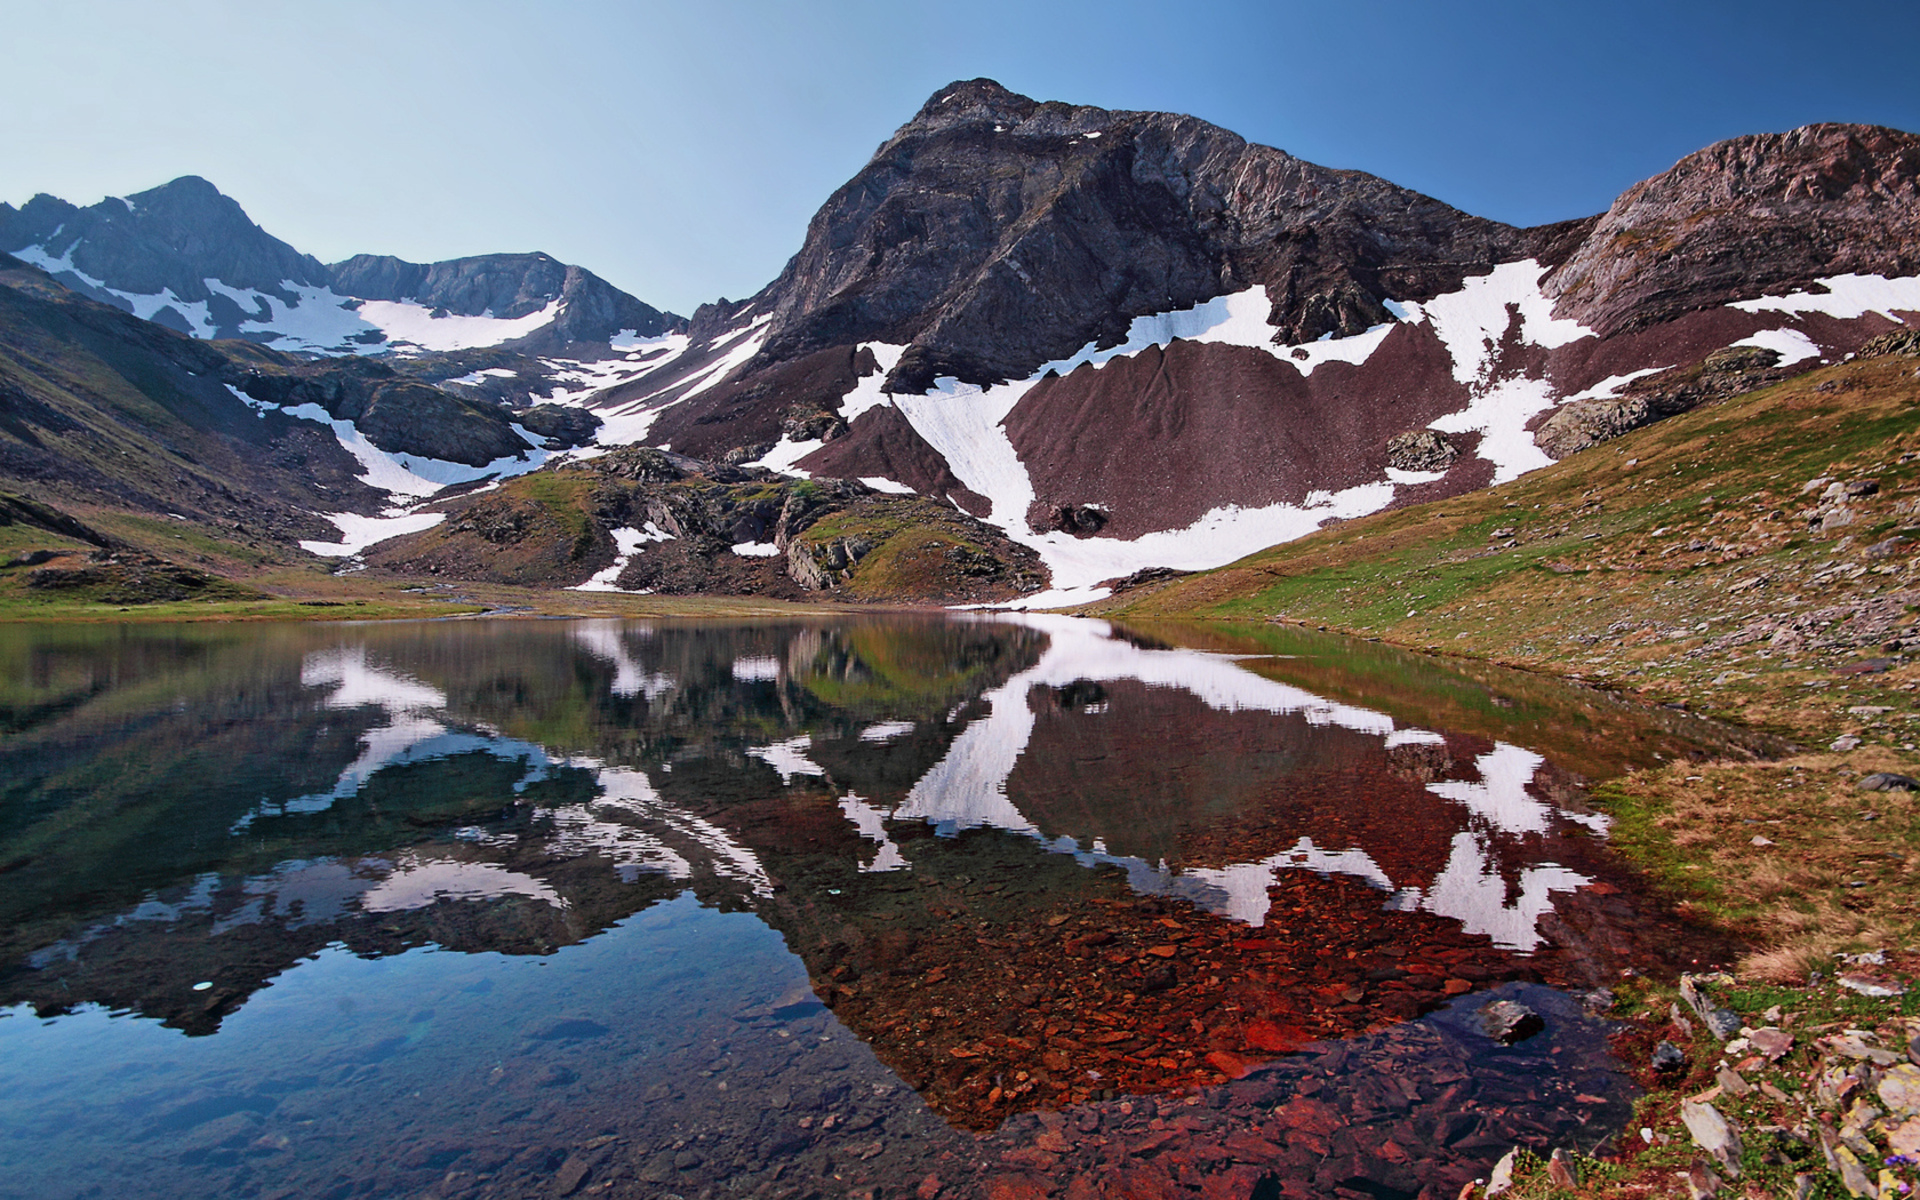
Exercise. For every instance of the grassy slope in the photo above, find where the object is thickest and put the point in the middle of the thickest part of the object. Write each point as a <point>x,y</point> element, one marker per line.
<point>1632,565</point>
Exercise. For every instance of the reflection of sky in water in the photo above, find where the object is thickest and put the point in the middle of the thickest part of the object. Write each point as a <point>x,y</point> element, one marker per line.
<point>630,825</point>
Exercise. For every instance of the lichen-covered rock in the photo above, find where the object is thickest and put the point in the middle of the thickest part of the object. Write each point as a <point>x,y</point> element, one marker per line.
<point>1421,450</point>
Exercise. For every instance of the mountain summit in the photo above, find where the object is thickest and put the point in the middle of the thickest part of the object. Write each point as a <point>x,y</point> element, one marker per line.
<point>993,233</point>
<point>188,257</point>
<point>1116,341</point>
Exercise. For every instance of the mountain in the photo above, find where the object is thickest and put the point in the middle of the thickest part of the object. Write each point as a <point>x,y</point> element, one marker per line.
<point>1117,342</point>
<point>187,257</point>
<point>1134,340</point>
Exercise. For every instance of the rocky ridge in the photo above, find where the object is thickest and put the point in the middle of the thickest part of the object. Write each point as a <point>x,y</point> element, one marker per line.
<point>187,256</point>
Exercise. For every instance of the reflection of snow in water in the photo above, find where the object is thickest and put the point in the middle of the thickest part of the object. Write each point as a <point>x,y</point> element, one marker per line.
<point>581,829</point>
<point>1471,890</point>
<point>756,669</point>
<point>606,640</point>
<point>789,758</point>
<point>417,882</point>
<point>355,682</point>
<point>968,788</point>
<point>871,823</point>
<point>1501,798</point>
<point>886,731</point>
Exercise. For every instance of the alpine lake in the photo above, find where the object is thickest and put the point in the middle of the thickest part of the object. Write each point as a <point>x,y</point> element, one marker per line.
<point>939,906</point>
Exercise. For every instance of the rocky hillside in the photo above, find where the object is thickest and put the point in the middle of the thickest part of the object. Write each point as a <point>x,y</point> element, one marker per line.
<point>1134,340</point>
<point>1128,342</point>
<point>640,520</point>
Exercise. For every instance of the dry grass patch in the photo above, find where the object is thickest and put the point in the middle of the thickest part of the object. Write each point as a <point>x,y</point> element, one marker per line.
<point>1792,855</point>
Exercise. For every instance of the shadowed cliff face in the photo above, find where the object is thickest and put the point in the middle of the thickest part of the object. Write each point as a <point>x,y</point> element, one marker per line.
<point>995,233</point>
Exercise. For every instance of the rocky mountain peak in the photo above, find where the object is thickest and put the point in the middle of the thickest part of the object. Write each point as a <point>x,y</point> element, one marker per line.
<point>994,233</point>
<point>172,237</point>
<point>1747,216</point>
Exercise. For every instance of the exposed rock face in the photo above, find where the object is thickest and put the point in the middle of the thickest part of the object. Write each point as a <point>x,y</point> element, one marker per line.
<point>1314,333</point>
<point>994,233</point>
<point>1421,450</point>
<point>506,286</point>
<point>561,424</point>
<point>395,413</point>
<point>1723,373</point>
<point>1745,217</point>
<point>828,538</point>
<point>173,237</point>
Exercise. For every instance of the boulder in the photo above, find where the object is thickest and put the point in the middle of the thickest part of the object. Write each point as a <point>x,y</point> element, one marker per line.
<point>1421,450</point>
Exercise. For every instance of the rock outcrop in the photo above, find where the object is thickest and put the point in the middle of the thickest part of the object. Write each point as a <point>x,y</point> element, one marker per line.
<point>1745,217</point>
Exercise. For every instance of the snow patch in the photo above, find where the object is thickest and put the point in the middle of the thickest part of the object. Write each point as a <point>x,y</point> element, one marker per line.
<point>866,394</point>
<point>627,543</point>
<point>1472,321</point>
<point>756,549</point>
<point>1846,297</point>
<point>358,532</point>
<point>1610,387</point>
<point>1790,344</point>
<point>407,321</point>
<point>880,483</point>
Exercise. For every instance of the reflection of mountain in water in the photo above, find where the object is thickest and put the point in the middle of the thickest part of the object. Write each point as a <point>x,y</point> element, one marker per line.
<point>518,787</point>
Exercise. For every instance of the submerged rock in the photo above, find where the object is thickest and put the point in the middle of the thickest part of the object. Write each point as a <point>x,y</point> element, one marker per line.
<point>1508,1022</point>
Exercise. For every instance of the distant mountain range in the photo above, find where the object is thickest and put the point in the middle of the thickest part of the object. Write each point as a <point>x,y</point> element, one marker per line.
<point>1126,341</point>
<point>185,256</point>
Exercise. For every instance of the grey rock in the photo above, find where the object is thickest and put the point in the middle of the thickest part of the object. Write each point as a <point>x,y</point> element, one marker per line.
<point>1421,450</point>
<point>1668,1057</point>
<point>991,234</point>
<point>565,424</point>
<point>1743,217</point>
<point>1561,1169</point>
<point>1887,781</point>
<point>1508,1022</point>
<point>508,286</point>
<point>175,236</point>
<point>1713,1133</point>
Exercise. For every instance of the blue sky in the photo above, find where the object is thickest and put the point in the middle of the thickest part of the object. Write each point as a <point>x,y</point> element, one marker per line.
<point>679,149</point>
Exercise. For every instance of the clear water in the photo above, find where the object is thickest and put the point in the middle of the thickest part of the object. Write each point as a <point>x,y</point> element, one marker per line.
<point>873,906</point>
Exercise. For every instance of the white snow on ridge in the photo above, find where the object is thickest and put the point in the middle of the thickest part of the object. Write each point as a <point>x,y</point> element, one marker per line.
<point>407,321</point>
<point>1846,297</point>
<point>319,321</point>
<point>144,306</point>
<point>398,472</point>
